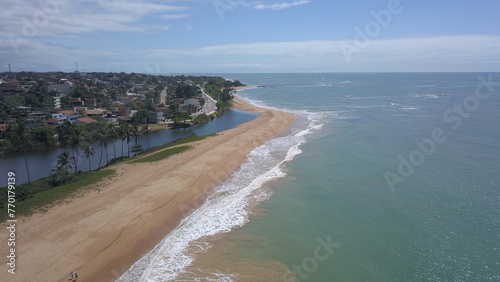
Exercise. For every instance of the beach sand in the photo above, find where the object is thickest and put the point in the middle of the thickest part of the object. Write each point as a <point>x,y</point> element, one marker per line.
<point>101,235</point>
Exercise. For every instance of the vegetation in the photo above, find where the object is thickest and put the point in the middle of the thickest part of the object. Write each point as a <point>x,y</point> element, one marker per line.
<point>163,154</point>
<point>41,193</point>
<point>38,194</point>
<point>32,140</point>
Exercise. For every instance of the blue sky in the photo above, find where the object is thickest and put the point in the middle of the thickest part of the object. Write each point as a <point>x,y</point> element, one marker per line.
<point>224,36</point>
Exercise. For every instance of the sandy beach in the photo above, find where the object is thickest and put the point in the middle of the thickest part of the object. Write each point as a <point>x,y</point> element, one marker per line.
<point>100,235</point>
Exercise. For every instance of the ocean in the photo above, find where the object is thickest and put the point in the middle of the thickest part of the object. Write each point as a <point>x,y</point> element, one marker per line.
<point>384,177</point>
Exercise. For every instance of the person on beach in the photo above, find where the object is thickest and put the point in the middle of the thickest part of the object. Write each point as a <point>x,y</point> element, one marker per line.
<point>71,276</point>
<point>98,190</point>
<point>76,276</point>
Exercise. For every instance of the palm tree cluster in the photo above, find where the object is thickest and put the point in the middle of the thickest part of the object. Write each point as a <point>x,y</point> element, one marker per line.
<point>83,137</point>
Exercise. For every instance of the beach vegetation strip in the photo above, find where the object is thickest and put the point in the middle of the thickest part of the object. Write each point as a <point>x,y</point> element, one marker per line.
<point>163,154</point>
<point>39,195</point>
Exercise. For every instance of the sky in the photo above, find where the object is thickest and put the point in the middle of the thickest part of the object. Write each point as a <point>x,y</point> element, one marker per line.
<point>246,36</point>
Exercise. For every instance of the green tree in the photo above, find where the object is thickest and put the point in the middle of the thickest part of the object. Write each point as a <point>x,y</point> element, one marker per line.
<point>65,160</point>
<point>102,138</point>
<point>136,132</point>
<point>24,140</point>
<point>44,136</point>
<point>142,116</point>
<point>77,138</point>
<point>65,132</point>
<point>179,117</point>
<point>60,176</point>
<point>113,134</point>
<point>88,152</point>
<point>145,130</point>
<point>201,118</point>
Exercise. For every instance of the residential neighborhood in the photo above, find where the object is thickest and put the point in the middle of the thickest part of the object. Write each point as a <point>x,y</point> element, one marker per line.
<point>51,99</point>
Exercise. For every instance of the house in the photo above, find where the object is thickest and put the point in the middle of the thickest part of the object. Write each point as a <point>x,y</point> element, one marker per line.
<point>122,111</point>
<point>190,106</point>
<point>11,90</point>
<point>85,120</point>
<point>70,116</point>
<point>23,108</point>
<point>96,113</point>
<point>37,115</point>
<point>124,119</point>
<point>157,117</point>
<point>59,116</point>
<point>192,101</point>
<point>80,110</point>
<point>188,82</point>
<point>52,122</point>
<point>111,119</point>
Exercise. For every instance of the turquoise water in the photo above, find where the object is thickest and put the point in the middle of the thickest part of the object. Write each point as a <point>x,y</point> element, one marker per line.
<point>441,224</point>
<point>386,177</point>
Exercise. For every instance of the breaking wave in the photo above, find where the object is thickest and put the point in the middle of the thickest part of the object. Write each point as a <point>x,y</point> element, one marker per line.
<point>227,208</point>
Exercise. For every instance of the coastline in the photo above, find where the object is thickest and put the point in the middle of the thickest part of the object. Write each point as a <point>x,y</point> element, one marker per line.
<point>101,235</point>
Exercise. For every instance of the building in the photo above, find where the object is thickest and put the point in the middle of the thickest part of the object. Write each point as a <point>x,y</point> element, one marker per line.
<point>96,113</point>
<point>61,89</point>
<point>58,116</point>
<point>52,102</point>
<point>70,116</point>
<point>85,120</point>
<point>124,119</point>
<point>52,122</point>
<point>157,117</point>
<point>11,90</point>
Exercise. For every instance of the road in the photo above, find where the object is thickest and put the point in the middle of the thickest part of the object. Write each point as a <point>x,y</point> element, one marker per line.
<point>209,106</point>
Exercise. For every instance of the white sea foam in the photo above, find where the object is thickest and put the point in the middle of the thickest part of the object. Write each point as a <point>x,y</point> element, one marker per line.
<point>227,208</point>
<point>431,96</point>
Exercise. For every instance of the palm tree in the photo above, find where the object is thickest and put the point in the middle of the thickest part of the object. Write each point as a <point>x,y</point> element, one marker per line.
<point>113,134</point>
<point>77,138</point>
<point>88,152</point>
<point>128,134</point>
<point>64,132</point>
<point>24,140</point>
<point>101,137</point>
<point>136,132</point>
<point>65,160</point>
<point>145,131</point>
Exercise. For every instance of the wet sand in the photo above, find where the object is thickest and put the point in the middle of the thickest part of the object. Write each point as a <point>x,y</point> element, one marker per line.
<point>101,235</point>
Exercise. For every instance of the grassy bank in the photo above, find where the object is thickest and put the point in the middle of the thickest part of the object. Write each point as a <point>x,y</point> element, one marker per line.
<point>43,195</point>
<point>162,155</point>
<point>40,195</point>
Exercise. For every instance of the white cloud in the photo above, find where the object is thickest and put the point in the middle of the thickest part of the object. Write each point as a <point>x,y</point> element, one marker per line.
<point>68,19</point>
<point>280,6</point>
<point>442,53</point>
<point>174,16</point>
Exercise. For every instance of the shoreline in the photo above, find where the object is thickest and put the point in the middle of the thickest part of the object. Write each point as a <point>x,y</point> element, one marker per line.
<point>100,236</point>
